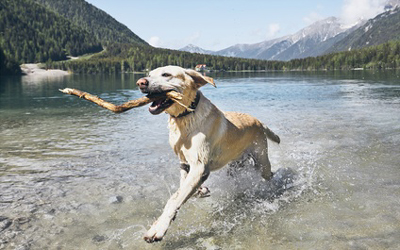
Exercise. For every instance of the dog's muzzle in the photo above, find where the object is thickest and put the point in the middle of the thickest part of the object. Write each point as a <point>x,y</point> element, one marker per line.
<point>143,84</point>
<point>157,107</point>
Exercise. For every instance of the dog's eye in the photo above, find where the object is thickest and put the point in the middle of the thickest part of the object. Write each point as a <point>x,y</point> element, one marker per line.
<point>166,75</point>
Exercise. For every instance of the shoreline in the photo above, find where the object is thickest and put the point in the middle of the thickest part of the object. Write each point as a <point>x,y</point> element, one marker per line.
<point>34,70</point>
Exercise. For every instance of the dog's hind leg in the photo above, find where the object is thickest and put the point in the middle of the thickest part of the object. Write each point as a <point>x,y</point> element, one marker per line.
<point>260,156</point>
<point>261,152</point>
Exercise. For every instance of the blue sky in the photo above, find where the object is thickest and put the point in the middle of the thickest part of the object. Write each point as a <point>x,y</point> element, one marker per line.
<point>218,24</point>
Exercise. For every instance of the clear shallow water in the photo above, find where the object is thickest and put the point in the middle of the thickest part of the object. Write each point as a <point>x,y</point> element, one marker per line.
<point>75,176</point>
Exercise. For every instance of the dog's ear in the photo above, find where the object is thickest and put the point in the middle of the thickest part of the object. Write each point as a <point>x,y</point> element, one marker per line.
<point>199,79</point>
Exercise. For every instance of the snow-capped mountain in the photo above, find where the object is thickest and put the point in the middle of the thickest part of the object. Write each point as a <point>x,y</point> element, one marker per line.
<point>315,39</point>
<point>322,37</point>
<point>248,50</point>
<point>380,29</point>
<point>310,41</point>
<point>392,4</point>
<point>195,49</point>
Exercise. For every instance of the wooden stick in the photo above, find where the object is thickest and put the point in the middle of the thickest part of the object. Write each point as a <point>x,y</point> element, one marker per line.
<point>175,96</point>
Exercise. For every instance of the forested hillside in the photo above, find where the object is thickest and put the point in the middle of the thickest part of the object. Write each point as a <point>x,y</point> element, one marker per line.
<point>31,33</point>
<point>128,58</point>
<point>8,67</point>
<point>384,56</point>
<point>103,26</point>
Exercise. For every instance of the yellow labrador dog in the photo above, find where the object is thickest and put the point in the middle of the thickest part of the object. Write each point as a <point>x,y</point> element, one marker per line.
<point>205,138</point>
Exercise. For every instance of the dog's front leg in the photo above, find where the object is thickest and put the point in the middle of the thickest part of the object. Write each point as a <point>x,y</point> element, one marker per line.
<point>196,176</point>
<point>202,191</point>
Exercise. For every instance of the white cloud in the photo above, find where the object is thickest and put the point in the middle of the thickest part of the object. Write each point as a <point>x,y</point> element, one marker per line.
<point>312,18</point>
<point>257,32</point>
<point>175,43</point>
<point>354,10</point>
<point>193,38</point>
<point>273,30</point>
<point>269,32</point>
<point>155,41</point>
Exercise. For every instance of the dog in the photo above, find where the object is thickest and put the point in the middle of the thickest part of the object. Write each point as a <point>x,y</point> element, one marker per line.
<point>203,137</point>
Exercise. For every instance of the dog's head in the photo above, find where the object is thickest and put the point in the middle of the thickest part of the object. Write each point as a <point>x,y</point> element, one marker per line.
<point>164,79</point>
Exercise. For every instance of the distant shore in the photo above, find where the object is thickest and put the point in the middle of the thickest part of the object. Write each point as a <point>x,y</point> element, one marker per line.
<point>34,70</point>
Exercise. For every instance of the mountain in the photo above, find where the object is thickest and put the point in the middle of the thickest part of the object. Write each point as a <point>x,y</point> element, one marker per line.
<point>195,49</point>
<point>248,50</point>
<point>324,36</point>
<point>391,5</point>
<point>313,40</point>
<point>103,26</point>
<point>31,33</point>
<point>382,28</point>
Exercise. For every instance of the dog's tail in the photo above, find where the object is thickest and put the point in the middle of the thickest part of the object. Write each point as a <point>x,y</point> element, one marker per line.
<point>271,135</point>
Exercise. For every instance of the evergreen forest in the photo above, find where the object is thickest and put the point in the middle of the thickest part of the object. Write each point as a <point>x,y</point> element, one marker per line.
<point>97,22</point>
<point>7,66</point>
<point>31,33</point>
<point>119,58</point>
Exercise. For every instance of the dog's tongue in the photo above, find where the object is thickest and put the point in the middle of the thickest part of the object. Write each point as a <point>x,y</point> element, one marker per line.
<point>155,107</point>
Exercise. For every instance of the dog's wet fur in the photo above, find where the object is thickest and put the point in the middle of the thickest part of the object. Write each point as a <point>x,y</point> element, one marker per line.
<point>205,140</point>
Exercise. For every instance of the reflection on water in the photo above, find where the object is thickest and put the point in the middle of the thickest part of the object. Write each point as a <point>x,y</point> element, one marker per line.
<point>75,176</point>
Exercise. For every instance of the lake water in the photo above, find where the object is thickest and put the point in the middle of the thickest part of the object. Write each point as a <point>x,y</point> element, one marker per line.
<point>75,176</point>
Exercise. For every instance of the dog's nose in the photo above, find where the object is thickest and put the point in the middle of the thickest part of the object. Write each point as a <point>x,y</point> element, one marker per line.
<point>142,83</point>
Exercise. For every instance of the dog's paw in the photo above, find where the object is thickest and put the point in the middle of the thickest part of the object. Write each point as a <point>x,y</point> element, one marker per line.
<point>203,192</point>
<point>155,233</point>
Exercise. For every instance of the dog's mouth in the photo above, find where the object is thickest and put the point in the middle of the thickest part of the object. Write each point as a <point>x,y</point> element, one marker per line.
<point>162,101</point>
<point>160,105</point>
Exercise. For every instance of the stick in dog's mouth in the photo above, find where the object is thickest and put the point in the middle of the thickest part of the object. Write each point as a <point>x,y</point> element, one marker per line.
<point>160,101</point>
<point>171,97</point>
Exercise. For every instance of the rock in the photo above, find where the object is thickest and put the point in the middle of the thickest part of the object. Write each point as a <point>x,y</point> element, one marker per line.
<point>208,243</point>
<point>22,220</point>
<point>34,209</point>
<point>116,199</point>
<point>4,223</point>
<point>99,238</point>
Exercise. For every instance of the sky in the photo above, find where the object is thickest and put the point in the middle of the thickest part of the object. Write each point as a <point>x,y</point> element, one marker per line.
<point>218,24</point>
